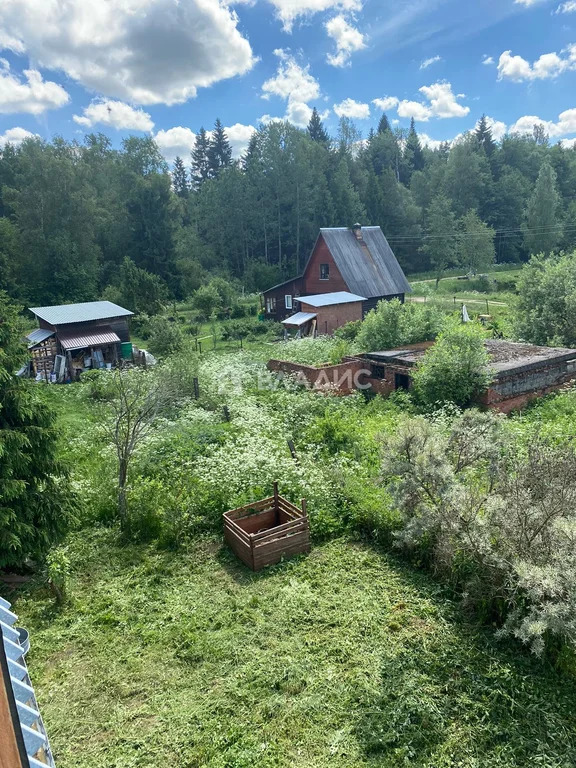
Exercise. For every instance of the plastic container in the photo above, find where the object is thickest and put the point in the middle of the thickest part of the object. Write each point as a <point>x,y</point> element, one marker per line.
<point>126,350</point>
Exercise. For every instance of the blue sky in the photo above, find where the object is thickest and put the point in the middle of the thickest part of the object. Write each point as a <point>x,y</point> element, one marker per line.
<point>168,67</point>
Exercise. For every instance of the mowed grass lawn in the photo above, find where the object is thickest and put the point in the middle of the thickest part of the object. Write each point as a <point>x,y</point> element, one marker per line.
<point>343,658</point>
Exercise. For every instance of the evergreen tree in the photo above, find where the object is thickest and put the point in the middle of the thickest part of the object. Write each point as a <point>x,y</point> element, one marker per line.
<point>476,243</point>
<point>543,227</point>
<point>180,178</point>
<point>441,242</point>
<point>219,151</point>
<point>139,290</point>
<point>384,125</point>
<point>483,134</point>
<point>200,168</point>
<point>413,155</point>
<point>35,501</point>
<point>316,129</point>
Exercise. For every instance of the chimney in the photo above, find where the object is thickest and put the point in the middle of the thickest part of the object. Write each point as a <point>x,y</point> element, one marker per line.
<point>357,230</point>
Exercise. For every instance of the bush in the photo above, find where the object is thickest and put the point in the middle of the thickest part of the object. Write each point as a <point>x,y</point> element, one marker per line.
<point>495,517</point>
<point>350,331</point>
<point>166,337</point>
<point>455,370</point>
<point>393,324</point>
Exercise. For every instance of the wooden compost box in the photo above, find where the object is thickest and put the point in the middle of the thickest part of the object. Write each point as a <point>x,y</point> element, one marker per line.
<point>264,532</point>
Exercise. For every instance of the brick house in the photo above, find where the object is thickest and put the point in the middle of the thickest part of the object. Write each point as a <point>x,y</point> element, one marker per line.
<point>356,261</point>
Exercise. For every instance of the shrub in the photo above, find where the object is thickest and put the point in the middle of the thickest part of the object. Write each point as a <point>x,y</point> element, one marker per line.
<point>455,370</point>
<point>206,300</point>
<point>495,517</point>
<point>350,331</point>
<point>544,311</point>
<point>166,337</point>
<point>393,324</point>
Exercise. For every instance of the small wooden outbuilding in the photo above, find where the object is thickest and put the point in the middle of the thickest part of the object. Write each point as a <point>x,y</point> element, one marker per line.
<point>75,337</point>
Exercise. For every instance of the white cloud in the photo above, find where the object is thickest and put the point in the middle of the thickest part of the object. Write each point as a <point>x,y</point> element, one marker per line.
<point>16,136</point>
<point>116,114</point>
<point>566,124</point>
<point>528,3</point>
<point>33,94</point>
<point>289,10</point>
<point>388,102</point>
<point>487,60</point>
<point>239,137</point>
<point>568,7</point>
<point>291,81</point>
<point>353,109</point>
<point>175,142</point>
<point>142,51</point>
<point>443,103</point>
<point>294,84</point>
<point>428,62</point>
<point>347,38</point>
<point>414,109</point>
<point>440,102</point>
<point>547,66</point>
<point>568,143</point>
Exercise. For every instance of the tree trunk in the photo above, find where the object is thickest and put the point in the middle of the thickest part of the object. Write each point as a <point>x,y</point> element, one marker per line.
<point>122,479</point>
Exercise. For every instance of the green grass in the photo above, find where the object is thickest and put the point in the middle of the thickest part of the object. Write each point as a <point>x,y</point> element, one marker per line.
<point>344,658</point>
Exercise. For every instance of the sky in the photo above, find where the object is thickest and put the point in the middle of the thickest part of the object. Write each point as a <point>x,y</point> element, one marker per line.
<point>166,68</point>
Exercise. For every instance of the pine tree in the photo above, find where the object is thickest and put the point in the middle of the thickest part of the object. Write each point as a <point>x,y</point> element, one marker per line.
<point>199,170</point>
<point>441,242</point>
<point>35,500</point>
<point>413,155</point>
<point>180,178</point>
<point>543,227</point>
<point>219,151</point>
<point>483,134</point>
<point>316,129</point>
<point>477,243</point>
<point>384,125</point>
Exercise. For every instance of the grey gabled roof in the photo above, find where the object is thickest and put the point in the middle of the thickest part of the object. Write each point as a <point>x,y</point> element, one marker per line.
<point>330,299</point>
<point>369,268</point>
<point>80,313</point>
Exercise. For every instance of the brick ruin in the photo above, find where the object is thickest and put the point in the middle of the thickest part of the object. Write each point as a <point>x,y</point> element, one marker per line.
<point>522,372</point>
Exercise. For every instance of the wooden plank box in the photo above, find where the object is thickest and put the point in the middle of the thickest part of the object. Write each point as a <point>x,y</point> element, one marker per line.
<point>266,531</point>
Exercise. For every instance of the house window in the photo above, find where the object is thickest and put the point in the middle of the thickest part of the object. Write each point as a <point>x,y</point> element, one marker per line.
<point>288,301</point>
<point>271,305</point>
<point>324,271</point>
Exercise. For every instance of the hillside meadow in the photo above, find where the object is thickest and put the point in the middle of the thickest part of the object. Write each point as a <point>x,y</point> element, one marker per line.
<point>167,650</point>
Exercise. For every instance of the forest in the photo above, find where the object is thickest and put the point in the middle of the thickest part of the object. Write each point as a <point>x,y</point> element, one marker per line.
<point>72,214</point>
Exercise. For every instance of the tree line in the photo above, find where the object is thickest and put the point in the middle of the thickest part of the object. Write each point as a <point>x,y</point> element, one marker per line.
<point>84,220</point>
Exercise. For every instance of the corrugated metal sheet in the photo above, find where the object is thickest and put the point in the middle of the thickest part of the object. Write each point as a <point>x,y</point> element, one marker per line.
<point>38,336</point>
<point>299,319</point>
<point>104,336</point>
<point>26,721</point>
<point>80,313</point>
<point>330,299</point>
<point>368,270</point>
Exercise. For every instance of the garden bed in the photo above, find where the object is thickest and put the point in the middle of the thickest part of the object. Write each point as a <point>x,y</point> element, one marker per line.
<point>265,532</point>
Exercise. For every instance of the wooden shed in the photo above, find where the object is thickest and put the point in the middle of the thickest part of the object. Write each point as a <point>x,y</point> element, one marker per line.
<point>266,531</point>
